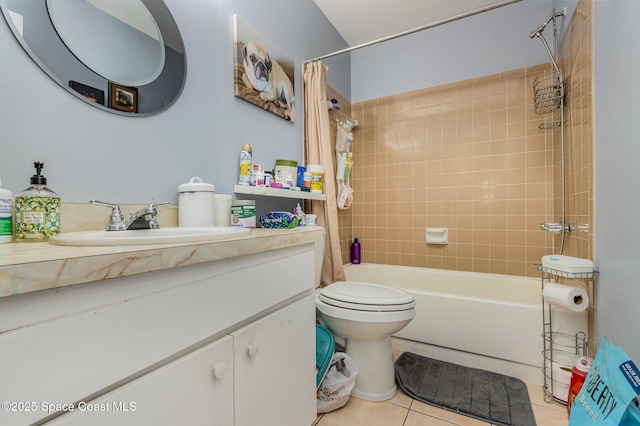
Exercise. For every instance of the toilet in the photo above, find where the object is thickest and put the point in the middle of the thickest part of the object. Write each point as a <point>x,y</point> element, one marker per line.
<point>362,317</point>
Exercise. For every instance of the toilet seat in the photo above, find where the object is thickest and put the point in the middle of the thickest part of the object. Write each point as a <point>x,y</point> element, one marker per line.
<point>366,297</point>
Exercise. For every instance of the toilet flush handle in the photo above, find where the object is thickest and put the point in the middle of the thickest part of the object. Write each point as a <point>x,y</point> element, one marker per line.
<point>253,348</point>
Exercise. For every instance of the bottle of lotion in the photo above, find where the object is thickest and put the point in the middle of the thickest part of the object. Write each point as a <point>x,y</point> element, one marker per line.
<point>355,252</point>
<point>37,210</point>
<point>6,215</point>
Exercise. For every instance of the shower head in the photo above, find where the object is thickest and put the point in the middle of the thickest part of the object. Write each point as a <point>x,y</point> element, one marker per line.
<point>538,31</point>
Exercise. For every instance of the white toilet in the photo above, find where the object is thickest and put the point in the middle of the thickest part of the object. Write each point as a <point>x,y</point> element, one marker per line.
<point>365,315</point>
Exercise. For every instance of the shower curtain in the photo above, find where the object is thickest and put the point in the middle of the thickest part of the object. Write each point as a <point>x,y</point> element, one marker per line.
<point>318,150</point>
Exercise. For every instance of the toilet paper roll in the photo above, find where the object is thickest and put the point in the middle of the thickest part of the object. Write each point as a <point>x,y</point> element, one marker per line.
<point>572,298</point>
<point>561,381</point>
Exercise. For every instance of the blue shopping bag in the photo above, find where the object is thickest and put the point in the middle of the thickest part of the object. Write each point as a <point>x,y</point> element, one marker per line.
<point>608,396</point>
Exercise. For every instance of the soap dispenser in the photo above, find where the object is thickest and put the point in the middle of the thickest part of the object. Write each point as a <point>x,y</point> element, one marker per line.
<point>37,210</point>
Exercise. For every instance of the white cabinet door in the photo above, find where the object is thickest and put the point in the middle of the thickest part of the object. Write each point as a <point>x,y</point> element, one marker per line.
<point>274,368</point>
<point>196,389</point>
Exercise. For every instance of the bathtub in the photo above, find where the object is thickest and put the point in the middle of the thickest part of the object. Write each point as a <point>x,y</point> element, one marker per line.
<point>480,320</point>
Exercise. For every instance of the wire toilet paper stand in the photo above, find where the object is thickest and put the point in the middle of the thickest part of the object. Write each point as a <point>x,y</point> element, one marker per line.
<point>559,348</point>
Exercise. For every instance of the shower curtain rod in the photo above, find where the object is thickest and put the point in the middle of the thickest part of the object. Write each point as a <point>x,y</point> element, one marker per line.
<point>415,30</point>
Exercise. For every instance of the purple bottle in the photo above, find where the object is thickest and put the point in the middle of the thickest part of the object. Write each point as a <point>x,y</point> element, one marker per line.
<point>355,252</point>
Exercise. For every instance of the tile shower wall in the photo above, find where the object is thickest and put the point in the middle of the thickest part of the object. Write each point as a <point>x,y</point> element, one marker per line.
<point>576,63</point>
<point>468,156</point>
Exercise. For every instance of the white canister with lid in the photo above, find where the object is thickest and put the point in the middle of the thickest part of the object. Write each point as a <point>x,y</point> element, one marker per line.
<point>196,203</point>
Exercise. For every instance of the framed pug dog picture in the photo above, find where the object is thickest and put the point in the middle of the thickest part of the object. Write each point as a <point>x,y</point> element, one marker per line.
<point>263,75</point>
<point>123,98</point>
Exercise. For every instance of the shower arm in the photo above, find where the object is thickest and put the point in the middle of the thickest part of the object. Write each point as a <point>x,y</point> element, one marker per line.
<point>553,60</point>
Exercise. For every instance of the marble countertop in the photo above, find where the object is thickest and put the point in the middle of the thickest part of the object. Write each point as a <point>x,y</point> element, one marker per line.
<point>29,267</point>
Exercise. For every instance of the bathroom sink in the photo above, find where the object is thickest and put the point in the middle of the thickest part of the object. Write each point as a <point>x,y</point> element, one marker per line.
<point>148,236</point>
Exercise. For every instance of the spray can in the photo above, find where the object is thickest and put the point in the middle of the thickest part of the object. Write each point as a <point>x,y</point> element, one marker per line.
<point>355,252</point>
<point>244,176</point>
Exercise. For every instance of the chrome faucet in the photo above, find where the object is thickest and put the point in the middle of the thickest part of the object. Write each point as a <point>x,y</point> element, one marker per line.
<point>146,218</point>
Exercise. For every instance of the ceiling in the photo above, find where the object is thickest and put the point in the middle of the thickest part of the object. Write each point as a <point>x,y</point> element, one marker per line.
<point>362,21</point>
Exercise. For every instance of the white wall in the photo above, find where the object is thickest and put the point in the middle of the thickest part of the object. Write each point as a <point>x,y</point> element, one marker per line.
<point>483,44</point>
<point>89,153</point>
<point>617,174</point>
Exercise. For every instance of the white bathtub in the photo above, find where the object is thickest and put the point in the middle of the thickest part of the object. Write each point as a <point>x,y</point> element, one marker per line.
<point>488,321</point>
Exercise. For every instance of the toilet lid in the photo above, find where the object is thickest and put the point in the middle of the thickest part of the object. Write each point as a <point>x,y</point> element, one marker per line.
<point>366,296</point>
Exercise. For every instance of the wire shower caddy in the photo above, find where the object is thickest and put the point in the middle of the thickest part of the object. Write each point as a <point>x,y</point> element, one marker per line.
<point>548,95</point>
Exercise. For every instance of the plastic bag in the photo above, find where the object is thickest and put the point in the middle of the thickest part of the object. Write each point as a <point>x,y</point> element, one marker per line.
<point>609,391</point>
<point>344,158</point>
<point>345,196</point>
<point>335,389</point>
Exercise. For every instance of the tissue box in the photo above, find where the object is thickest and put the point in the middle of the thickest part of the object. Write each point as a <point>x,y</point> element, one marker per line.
<point>279,220</point>
<point>568,264</point>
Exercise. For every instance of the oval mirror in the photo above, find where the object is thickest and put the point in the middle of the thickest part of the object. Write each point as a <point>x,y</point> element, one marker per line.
<point>123,56</point>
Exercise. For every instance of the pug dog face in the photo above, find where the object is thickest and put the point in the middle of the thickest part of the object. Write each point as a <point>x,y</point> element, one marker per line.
<point>258,59</point>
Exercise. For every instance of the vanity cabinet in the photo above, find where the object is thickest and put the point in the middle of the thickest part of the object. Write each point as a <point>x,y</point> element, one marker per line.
<point>227,342</point>
<point>269,357</point>
<point>196,389</point>
<point>249,378</point>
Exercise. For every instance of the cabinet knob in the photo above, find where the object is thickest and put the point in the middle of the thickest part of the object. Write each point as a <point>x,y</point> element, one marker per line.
<point>253,348</point>
<point>221,369</point>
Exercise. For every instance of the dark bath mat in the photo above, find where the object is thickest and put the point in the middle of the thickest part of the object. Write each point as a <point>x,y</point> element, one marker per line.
<point>484,395</point>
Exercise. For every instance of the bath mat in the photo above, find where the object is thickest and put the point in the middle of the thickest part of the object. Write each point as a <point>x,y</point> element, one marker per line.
<point>484,395</point>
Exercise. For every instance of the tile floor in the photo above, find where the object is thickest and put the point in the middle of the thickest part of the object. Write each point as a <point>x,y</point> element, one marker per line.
<point>402,410</point>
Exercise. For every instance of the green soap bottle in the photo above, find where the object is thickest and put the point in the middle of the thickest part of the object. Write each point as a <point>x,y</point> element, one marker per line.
<point>37,210</point>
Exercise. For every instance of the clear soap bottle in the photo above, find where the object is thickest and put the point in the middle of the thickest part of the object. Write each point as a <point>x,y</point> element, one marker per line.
<point>37,210</point>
